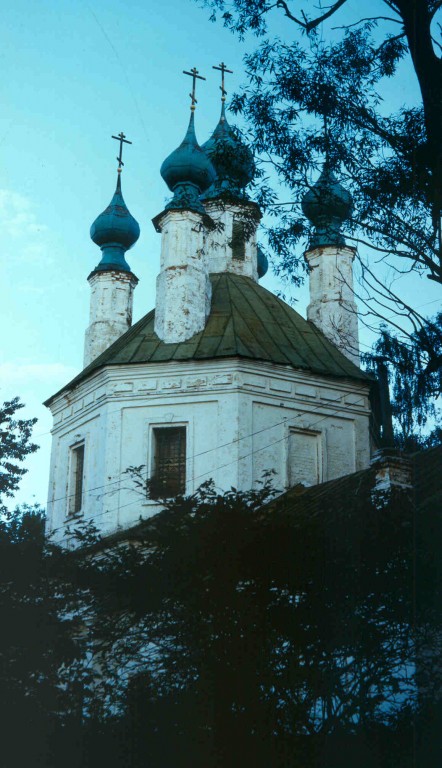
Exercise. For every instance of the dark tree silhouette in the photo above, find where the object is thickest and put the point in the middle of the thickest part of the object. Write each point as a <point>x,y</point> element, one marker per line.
<point>15,445</point>
<point>331,66</point>
<point>227,628</point>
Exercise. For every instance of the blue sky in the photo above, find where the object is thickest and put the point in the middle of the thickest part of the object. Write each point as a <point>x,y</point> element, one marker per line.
<point>73,74</point>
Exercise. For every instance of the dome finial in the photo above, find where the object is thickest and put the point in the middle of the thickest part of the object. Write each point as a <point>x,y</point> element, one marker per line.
<point>232,159</point>
<point>223,69</point>
<point>115,230</point>
<point>122,139</point>
<point>187,171</point>
<point>327,204</point>
<point>195,76</point>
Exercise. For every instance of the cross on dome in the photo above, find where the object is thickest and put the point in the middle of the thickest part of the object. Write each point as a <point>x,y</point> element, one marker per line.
<point>115,230</point>
<point>223,69</point>
<point>122,139</point>
<point>193,74</point>
<point>187,171</point>
<point>233,160</point>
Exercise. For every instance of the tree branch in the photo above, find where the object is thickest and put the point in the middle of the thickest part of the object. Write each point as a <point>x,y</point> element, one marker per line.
<point>435,9</point>
<point>369,18</point>
<point>387,41</point>
<point>391,4</point>
<point>310,25</point>
<point>284,6</point>
<point>436,42</point>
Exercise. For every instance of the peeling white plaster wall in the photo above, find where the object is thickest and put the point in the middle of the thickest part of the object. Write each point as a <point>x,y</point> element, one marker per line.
<point>238,414</point>
<point>110,310</point>
<point>332,307</point>
<point>219,240</point>
<point>183,287</point>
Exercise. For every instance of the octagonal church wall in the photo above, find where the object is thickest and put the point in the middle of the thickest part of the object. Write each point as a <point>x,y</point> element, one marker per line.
<point>239,419</point>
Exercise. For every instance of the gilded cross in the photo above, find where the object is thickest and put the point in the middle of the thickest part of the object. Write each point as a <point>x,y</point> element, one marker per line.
<point>223,69</point>
<point>193,74</point>
<point>122,139</point>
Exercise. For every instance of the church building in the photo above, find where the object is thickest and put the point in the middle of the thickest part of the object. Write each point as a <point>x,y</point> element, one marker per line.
<point>222,380</point>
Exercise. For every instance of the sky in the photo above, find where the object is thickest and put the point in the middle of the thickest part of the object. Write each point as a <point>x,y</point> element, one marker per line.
<point>73,74</point>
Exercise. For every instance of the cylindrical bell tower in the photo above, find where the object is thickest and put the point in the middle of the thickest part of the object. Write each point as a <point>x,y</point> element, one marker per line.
<point>332,306</point>
<point>112,282</point>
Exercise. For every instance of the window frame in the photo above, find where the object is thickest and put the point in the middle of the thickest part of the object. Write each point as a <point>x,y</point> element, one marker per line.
<point>75,451</point>
<point>161,427</point>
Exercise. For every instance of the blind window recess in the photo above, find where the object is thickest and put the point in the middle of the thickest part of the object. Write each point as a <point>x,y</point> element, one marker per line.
<point>76,484</point>
<point>304,457</point>
<point>168,477</point>
<point>238,243</point>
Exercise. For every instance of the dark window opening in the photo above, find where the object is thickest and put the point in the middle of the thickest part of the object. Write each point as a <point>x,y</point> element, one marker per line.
<point>77,479</point>
<point>169,464</point>
<point>238,240</point>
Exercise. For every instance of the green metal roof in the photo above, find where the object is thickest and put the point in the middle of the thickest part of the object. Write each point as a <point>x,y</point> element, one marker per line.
<point>245,321</point>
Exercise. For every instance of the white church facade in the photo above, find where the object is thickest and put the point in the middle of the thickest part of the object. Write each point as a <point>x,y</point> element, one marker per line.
<point>222,380</point>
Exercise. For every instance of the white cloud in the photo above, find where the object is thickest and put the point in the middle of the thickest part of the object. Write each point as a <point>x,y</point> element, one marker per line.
<point>26,240</point>
<point>17,217</point>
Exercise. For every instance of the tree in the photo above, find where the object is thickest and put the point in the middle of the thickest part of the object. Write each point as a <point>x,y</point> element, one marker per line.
<point>15,445</point>
<point>44,665</point>
<point>53,684</point>
<point>415,383</point>
<point>390,161</point>
<point>231,637</point>
<point>225,626</point>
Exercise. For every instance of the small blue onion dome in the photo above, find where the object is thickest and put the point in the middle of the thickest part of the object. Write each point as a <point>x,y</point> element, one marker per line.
<point>327,205</point>
<point>232,159</point>
<point>263,263</point>
<point>188,172</point>
<point>115,231</point>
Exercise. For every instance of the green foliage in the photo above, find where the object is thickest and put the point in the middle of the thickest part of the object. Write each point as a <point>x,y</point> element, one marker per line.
<point>390,161</point>
<point>15,445</point>
<point>42,658</point>
<point>225,626</point>
<point>415,376</point>
<point>280,631</point>
<point>291,88</point>
<point>319,91</point>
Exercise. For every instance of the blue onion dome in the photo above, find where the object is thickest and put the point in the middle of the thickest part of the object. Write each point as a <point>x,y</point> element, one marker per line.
<point>232,159</point>
<point>327,205</point>
<point>115,231</point>
<point>188,172</point>
<point>263,263</point>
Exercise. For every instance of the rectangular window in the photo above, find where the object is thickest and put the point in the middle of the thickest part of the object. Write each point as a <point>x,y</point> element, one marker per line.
<point>168,477</point>
<point>238,240</point>
<point>76,490</point>
<point>305,457</point>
